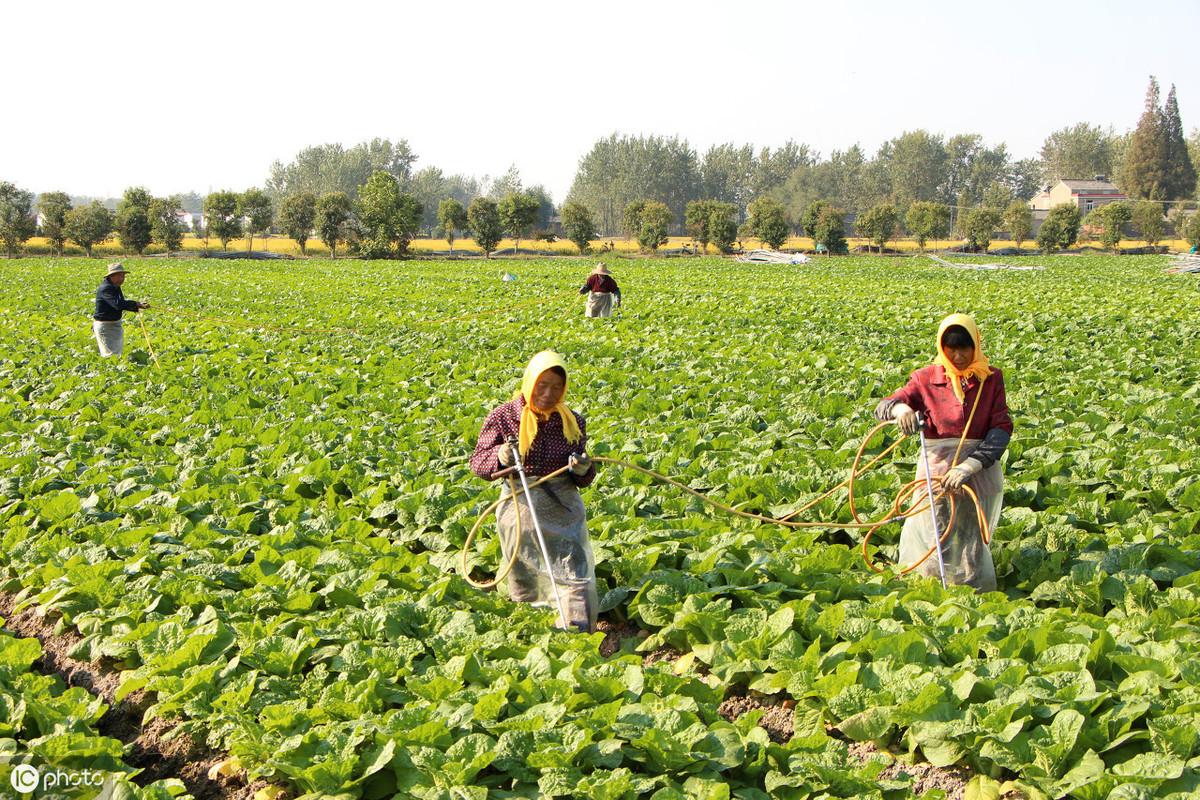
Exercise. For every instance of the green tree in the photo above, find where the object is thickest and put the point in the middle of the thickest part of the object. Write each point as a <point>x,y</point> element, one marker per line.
<point>518,212</point>
<point>1060,229</point>
<point>483,218</point>
<point>1189,229</point>
<point>654,224</point>
<point>545,204</point>
<point>297,216</point>
<point>224,222</point>
<point>1018,220</point>
<point>89,225</point>
<point>621,169</point>
<point>334,210</point>
<point>256,208</point>
<point>917,166</point>
<point>927,220</point>
<point>726,174</point>
<point>981,227</point>
<point>1180,171</point>
<point>411,212</point>
<point>996,195</point>
<point>878,224</point>
<point>389,217</point>
<point>1109,218</point>
<point>17,221</point>
<point>812,214</point>
<point>829,230</point>
<point>452,217</point>
<point>1024,178</point>
<point>696,219</point>
<point>1193,148</point>
<point>1145,169</point>
<point>1178,217</point>
<point>767,221</point>
<point>165,226</point>
<point>1147,217</point>
<point>722,225</point>
<point>333,168</point>
<point>53,207</point>
<point>1078,152</point>
<point>133,219</point>
<point>578,224</point>
<point>712,221</point>
<point>631,219</point>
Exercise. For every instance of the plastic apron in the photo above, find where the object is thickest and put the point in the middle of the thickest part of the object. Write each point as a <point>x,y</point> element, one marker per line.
<point>561,515</point>
<point>600,304</point>
<point>968,560</point>
<point>110,337</point>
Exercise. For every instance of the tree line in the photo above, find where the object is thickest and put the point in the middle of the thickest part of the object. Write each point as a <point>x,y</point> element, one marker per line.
<point>1153,162</point>
<point>369,199</point>
<point>378,220</point>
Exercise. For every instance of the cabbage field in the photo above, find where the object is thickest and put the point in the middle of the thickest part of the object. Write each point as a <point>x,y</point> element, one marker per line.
<point>254,531</point>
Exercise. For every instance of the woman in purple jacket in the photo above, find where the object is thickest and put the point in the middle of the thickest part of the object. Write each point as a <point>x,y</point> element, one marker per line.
<point>549,436</point>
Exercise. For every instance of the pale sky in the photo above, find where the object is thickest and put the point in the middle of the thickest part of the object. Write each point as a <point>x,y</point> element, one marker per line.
<point>198,96</point>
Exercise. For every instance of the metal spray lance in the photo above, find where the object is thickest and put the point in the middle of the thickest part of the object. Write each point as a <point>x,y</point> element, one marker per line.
<point>937,536</point>
<point>537,527</point>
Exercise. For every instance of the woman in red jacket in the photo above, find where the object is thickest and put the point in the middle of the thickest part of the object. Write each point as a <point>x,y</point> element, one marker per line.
<point>958,391</point>
<point>602,292</point>
<point>549,436</point>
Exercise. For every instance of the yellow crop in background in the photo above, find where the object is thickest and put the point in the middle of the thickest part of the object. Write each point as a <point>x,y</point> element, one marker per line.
<point>620,246</point>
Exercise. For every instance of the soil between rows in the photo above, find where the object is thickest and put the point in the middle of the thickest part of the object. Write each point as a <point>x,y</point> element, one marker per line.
<point>777,711</point>
<point>158,750</point>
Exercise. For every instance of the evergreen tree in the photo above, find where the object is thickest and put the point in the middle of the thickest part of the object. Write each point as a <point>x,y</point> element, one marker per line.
<point>1144,171</point>
<point>1180,171</point>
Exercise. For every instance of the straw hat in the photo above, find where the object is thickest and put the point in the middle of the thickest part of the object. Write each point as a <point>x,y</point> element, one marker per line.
<point>601,270</point>
<point>114,268</point>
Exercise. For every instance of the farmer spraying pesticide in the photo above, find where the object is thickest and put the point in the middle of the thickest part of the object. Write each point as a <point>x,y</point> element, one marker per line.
<point>603,294</point>
<point>543,532</point>
<point>958,405</point>
<point>110,305</point>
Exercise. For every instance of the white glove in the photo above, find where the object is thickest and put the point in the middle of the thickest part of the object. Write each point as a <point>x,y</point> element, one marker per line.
<point>579,463</point>
<point>953,480</point>
<point>906,418</point>
<point>506,455</point>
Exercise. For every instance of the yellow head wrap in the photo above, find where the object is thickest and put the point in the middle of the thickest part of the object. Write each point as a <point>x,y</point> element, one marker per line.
<point>547,359</point>
<point>978,367</point>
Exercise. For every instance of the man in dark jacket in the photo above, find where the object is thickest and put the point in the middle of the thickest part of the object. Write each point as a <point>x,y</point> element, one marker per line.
<point>110,304</point>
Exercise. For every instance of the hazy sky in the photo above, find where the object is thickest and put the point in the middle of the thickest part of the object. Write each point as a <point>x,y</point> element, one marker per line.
<point>198,96</point>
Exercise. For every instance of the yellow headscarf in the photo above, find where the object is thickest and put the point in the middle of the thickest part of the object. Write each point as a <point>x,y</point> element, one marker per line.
<point>978,368</point>
<point>547,359</point>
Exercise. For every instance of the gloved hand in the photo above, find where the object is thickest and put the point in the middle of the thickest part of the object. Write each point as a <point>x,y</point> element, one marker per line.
<point>905,418</point>
<point>883,411</point>
<point>579,463</point>
<point>505,455</point>
<point>953,480</point>
<point>142,305</point>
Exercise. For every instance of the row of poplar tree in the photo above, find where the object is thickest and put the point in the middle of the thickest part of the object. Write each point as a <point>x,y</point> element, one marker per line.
<point>378,222</point>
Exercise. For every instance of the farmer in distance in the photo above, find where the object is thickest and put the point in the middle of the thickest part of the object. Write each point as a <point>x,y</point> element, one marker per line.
<point>110,305</point>
<point>602,291</point>
<point>967,427</point>
<point>549,437</point>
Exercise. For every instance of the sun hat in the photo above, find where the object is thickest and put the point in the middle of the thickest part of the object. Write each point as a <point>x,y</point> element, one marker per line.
<point>114,268</point>
<point>601,270</point>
